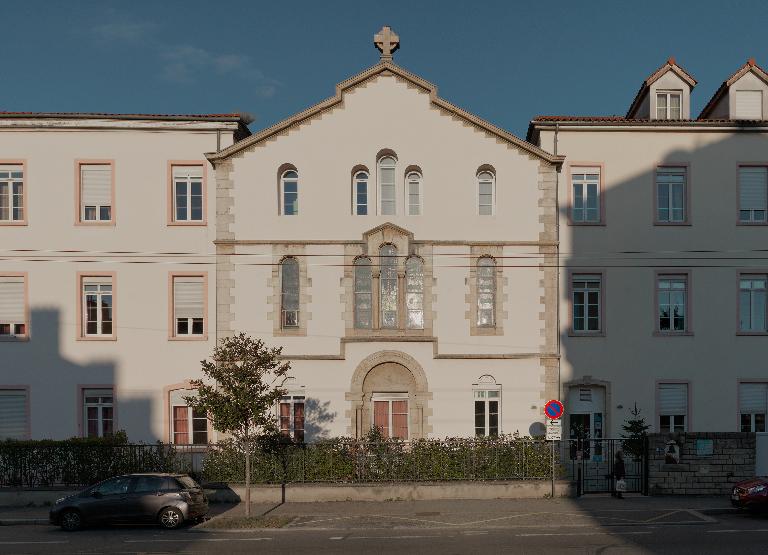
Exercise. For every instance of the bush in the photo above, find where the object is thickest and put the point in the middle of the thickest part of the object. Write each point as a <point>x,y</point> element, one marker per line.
<point>80,461</point>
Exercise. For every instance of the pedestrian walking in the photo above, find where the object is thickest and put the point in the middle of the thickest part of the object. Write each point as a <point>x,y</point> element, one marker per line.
<point>619,473</point>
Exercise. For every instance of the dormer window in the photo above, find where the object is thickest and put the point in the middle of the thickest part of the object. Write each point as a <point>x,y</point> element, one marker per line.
<point>749,105</point>
<point>669,104</point>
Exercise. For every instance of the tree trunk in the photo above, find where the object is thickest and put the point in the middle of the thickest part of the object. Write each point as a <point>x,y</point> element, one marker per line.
<point>247,478</point>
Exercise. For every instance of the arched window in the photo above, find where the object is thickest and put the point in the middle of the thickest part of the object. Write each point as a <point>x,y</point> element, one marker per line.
<point>363,294</point>
<point>414,293</point>
<point>487,397</point>
<point>388,286</point>
<point>413,183</point>
<point>486,292</point>
<point>289,193</point>
<point>486,190</point>
<point>360,194</point>
<point>387,186</point>
<point>289,292</point>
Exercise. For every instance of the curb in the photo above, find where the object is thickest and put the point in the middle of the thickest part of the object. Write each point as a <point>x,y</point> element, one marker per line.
<point>23,521</point>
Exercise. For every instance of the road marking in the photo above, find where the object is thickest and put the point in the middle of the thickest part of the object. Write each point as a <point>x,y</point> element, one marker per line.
<point>584,534</point>
<point>336,538</point>
<point>32,542</point>
<point>737,531</point>
<point>154,540</point>
<point>393,537</point>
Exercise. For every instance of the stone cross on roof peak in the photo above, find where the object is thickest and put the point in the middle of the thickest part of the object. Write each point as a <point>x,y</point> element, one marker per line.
<point>387,42</point>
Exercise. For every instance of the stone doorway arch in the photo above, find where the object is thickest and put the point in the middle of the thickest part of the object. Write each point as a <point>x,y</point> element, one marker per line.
<point>389,372</point>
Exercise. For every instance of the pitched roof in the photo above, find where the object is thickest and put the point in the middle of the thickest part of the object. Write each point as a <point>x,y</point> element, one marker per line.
<point>613,121</point>
<point>669,65</point>
<point>750,66</point>
<point>385,67</point>
<point>234,117</point>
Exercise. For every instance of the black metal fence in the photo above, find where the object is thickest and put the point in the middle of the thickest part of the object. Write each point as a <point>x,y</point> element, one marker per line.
<point>68,464</point>
<point>590,464</point>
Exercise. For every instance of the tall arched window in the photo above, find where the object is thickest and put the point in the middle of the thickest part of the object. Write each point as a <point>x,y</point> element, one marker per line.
<point>414,293</point>
<point>388,286</point>
<point>486,292</point>
<point>387,186</point>
<point>289,193</point>
<point>363,294</point>
<point>360,194</point>
<point>413,183</point>
<point>486,190</point>
<point>289,293</point>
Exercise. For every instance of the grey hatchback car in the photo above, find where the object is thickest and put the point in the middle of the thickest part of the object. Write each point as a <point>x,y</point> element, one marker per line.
<point>166,499</point>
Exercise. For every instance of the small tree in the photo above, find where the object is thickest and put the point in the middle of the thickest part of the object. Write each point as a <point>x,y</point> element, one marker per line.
<point>635,430</point>
<point>247,381</point>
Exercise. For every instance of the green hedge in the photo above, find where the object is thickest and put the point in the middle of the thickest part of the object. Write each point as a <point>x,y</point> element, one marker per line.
<point>81,462</point>
<point>347,460</point>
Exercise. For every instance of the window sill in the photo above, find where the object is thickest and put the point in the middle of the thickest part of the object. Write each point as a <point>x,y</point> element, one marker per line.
<point>752,333</point>
<point>751,224</point>
<point>586,224</point>
<point>672,224</point>
<point>14,339</point>
<point>202,223</point>
<point>289,332</point>
<point>477,331</point>
<point>572,333</point>
<point>188,338</point>
<point>95,224</point>
<point>673,334</point>
<point>97,338</point>
<point>14,223</point>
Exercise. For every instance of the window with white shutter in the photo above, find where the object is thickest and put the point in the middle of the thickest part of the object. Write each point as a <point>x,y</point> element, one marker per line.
<point>96,193</point>
<point>585,206</point>
<point>13,414</point>
<point>753,406</point>
<point>749,105</point>
<point>189,306</point>
<point>13,313</point>
<point>673,407</point>
<point>753,194</point>
<point>188,193</point>
<point>11,193</point>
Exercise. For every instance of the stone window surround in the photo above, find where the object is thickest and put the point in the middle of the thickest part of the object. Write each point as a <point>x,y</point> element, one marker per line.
<point>476,253</point>
<point>274,283</point>
<point>373,240</point>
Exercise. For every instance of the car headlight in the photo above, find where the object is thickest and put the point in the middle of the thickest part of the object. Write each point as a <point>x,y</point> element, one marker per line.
<point>59,500</point>
<point>757,489</point>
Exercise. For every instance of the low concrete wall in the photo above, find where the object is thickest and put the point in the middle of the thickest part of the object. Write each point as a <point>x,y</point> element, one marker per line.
<point>699,472</point>
<point>312,493</point>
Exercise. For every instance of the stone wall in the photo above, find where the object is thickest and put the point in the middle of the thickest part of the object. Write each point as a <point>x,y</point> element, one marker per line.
<point>732,459</point>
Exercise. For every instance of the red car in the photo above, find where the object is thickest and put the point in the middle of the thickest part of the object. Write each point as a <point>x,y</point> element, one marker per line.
<point>750,494</point>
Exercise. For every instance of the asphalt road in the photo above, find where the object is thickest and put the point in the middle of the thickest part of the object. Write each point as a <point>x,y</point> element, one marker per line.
<point>686,533</point>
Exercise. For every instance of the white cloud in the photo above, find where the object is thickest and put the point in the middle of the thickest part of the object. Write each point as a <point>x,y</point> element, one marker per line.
<point>185,63</point>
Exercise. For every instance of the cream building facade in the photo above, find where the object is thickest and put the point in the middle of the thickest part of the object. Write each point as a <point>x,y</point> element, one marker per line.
<point>663,215</point>
<point>338,237</point>
<point>401,250</point>
<point>106,236</point>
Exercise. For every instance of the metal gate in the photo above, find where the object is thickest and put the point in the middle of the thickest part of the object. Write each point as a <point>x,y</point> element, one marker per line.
<point>589,464</point>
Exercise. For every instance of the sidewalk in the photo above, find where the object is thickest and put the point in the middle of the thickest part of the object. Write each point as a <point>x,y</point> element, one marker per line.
<point>452,513</point>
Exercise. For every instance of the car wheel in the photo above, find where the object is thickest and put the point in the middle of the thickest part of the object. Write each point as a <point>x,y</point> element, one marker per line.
<point>171,518</point>
<point>71,521</point>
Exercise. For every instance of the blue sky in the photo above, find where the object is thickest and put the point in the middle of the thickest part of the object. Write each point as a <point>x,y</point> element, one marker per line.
<point>505,61</point>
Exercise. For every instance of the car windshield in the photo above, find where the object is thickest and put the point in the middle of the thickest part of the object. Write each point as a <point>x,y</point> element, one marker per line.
<point>187,482</point>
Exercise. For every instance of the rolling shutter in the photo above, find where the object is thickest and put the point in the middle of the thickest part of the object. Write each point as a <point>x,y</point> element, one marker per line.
<point>753,188</point>
<point>749,105</point>
<point>188,297</point>
<point>673,398</point>
<point>12,300</point>
<point>753,398</point>
<point>13,414</point>
<point>96,184</point>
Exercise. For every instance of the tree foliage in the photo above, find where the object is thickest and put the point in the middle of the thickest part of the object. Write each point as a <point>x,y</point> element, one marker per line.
<point>245,379</point>
<point>635,430</point>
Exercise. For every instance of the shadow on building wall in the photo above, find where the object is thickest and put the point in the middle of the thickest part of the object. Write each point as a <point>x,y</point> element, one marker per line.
<point>319,419</point>
<point>56,381</point>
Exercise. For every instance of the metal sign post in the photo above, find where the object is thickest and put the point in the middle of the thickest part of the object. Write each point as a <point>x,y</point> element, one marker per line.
<point>553,410</point>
